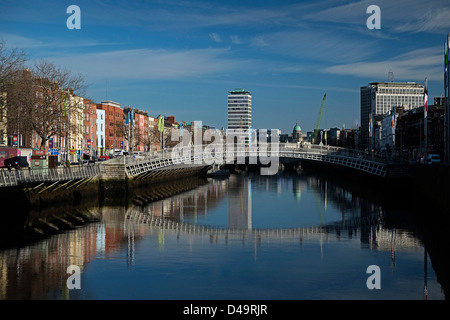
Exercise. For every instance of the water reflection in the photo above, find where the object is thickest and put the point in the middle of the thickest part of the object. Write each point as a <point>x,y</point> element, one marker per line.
<point>282,220</point>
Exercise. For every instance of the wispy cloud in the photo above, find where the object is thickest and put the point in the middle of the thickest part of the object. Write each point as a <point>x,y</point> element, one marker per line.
<point>259,41</point>
<point>150,64</point>
<point>19,41</point>
<point>396,16</point>
<point>435,20</point>
<point>414,65</point>
<point>317,44</point>
<point>235,39</point>
<point>215,37</point>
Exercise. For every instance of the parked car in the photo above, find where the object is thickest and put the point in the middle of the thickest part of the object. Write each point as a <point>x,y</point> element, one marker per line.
<point>433,158</point>
<point>17,162</point>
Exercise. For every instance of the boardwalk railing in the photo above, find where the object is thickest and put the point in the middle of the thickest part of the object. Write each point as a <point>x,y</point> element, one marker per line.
<point>141,164</point>
<point>335,155</point>
<point>23,176</point>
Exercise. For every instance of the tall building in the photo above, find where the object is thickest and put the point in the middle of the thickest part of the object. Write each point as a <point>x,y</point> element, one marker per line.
<point>378,98</point>
<point>240,110</point>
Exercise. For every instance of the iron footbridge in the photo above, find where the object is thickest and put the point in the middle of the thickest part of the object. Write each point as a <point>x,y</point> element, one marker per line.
<point>327,154</point>
<point>339,156</point>
<point>159,163</point>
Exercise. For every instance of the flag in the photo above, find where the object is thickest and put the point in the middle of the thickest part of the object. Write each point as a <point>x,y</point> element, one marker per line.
<point>446,66</point>
<point>425,96</point>
<point>161,123</point>
<point>393,113</point>
<point>392,118</point>
<point>130,116</point>
<point>446,49</point>
<point>64,106</point>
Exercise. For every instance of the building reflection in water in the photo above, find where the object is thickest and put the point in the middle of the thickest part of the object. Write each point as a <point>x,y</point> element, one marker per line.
<point>39,271</point>
<point>239,203</point>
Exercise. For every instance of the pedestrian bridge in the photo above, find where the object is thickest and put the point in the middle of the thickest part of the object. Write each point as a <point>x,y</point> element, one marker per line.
<point>150,164</point>
<point>334,155</point>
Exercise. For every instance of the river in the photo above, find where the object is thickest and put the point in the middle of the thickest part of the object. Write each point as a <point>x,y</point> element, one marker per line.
<point>247,237</point>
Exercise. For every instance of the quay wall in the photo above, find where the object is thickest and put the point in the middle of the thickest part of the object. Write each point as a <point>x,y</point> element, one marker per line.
<point>432,184</point>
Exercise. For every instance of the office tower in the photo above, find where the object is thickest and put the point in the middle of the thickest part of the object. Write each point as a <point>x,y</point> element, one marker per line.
<point>378,98</point>
<point>239,109</point>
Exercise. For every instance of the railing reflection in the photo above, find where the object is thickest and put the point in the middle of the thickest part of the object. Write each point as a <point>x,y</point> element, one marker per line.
<point>40,271</point>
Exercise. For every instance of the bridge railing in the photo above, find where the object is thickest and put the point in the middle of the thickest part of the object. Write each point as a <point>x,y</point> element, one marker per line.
<point>190,153</point>
<point>21,176</point>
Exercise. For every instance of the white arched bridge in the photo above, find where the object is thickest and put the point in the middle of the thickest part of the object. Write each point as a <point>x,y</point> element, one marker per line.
<point>149,165</point>
<point>145,165</point>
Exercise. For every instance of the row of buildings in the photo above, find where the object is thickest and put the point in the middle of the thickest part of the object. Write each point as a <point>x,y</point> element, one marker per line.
<point>80,126</point>
<point>393,123</point>
<point>395,120</point>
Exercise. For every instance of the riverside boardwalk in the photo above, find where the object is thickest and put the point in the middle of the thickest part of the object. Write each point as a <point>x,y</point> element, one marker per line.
<point>159,165</point>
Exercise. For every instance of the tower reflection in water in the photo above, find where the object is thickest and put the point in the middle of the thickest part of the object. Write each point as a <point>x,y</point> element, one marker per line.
<point>239,203</point>
<point>39,271</point>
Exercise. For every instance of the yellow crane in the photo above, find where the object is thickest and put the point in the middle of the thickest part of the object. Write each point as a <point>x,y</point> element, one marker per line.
<point>316,131</point>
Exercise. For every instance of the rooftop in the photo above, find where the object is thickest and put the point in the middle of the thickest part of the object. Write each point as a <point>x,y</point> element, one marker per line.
<point>395,84</point>
<point>239,91</point>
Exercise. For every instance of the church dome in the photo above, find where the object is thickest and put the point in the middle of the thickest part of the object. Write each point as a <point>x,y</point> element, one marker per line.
<point>297,127</point>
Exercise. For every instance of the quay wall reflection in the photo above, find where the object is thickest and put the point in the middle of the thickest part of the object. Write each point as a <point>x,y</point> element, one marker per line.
<point>39,271</point>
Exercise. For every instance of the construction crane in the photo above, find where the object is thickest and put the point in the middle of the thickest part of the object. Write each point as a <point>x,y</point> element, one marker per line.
<point>316,131</point>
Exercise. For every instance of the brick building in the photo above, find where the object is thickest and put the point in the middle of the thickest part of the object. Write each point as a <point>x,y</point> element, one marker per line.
<point>114,123</point>
<point>89,127</point>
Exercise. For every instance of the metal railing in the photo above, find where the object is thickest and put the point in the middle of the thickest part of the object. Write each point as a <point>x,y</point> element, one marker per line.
<point>341,156</point>
<point>141,163</point>
<point>23,176</point>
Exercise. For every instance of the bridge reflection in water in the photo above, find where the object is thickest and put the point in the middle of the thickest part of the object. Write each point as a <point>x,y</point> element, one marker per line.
<point>221,214</point>
<point>189,214</point>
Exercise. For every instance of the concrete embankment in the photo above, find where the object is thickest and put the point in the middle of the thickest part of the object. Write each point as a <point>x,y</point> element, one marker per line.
<point>432,184</point>
<point>37,211</point>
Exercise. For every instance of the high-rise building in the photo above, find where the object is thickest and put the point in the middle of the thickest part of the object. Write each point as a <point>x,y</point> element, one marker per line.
<point>240,112</point>
<point>239,109</point>
<point>378,98</point>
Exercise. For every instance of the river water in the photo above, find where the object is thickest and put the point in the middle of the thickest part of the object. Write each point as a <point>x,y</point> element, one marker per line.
<point>247,237</point>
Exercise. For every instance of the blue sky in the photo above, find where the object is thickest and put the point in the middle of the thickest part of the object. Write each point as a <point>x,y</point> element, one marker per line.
<point>182,57</point>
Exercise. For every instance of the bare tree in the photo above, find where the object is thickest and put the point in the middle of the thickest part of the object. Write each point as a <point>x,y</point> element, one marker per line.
<point>11,61</point>
<point>52,104</point>
<point>153,137</point>
<point>130,133</point>
<point>19,94</point>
